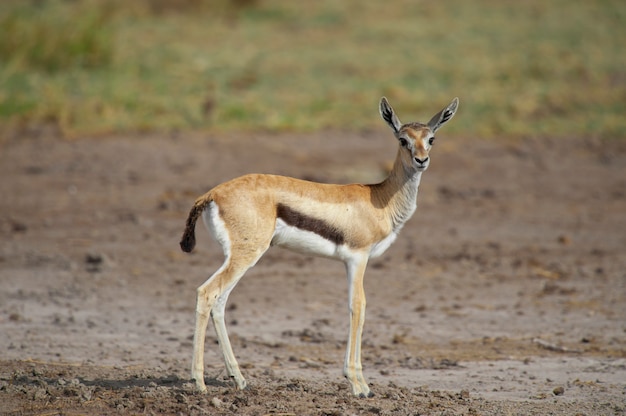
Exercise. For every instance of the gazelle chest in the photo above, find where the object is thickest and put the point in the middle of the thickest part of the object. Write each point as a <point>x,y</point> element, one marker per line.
<point>382,246</point>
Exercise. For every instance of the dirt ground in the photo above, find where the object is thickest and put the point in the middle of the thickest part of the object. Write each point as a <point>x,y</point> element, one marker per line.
<point>504,294</point>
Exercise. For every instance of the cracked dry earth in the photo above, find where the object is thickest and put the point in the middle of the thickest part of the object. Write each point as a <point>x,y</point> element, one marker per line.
<point>505,293</point>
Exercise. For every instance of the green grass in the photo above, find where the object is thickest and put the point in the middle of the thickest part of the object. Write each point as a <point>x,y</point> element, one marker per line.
<point>532,68</point>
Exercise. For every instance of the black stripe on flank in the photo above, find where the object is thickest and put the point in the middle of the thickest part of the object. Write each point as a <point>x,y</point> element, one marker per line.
<point>306,223</point>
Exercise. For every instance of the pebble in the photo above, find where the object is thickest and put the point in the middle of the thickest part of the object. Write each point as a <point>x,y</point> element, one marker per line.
<point>217,403</point>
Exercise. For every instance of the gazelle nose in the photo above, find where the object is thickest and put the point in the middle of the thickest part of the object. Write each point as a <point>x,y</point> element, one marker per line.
<point>421,161</point>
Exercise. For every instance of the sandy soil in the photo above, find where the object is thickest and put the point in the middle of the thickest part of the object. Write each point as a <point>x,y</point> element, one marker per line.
<point>505,293</point>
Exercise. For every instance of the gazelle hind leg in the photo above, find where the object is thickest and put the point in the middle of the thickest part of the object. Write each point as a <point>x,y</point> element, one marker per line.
<point>211,301</point>
<point>206,297</point>
<point>242,252</point>
<point>217,315</point>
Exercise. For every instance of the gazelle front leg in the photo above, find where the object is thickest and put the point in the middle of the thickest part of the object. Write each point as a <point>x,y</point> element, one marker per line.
<point>353,369</point>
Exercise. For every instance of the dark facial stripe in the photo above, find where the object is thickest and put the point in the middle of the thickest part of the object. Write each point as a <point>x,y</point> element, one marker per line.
<point>314,225</point>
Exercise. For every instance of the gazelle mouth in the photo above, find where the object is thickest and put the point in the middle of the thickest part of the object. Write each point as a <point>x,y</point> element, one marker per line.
<point>421,164</point>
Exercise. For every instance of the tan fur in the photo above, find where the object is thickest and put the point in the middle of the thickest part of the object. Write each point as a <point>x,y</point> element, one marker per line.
<point>364,213</point>
<point>348,222</point>
<point>417,135</point>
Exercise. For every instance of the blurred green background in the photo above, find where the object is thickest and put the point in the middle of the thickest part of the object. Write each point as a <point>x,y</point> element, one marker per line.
<point>521,68</point>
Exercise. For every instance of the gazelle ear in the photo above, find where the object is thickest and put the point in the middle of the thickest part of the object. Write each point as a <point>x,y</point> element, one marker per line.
<point>387,113</point>
<point>443,116</point>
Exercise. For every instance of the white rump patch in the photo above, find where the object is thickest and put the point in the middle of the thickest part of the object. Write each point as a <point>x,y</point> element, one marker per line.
<point>216,227</point>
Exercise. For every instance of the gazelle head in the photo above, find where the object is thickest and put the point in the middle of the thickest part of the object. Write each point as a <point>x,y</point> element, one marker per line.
<point>416,139</point>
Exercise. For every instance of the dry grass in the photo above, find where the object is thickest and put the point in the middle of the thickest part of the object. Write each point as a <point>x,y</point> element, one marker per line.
<point>530,68</point>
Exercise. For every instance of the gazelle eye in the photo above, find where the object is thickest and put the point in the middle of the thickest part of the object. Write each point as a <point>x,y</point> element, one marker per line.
<point>403,142</point>
<point>431,140</point>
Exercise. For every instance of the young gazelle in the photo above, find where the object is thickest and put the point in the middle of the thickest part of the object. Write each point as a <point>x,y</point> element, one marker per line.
<point>350,223</point>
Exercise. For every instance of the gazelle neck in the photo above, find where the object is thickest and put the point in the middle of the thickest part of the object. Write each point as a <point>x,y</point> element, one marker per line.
<point>398,193</point>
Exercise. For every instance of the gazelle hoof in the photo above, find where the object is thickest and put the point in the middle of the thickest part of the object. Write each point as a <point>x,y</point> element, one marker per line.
<point>240,383</point>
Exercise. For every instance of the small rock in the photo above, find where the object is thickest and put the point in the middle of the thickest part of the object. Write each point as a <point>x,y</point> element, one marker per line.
<point>558,391</point>
<point>420,308</point>
<point>564,239</point>
<point>94,262</point>
<point>217,403</point>
<point>19,227</point>
<point>85,395</point>
<point>40,394</point>
<point>189,386</point>
<point>15,317</point>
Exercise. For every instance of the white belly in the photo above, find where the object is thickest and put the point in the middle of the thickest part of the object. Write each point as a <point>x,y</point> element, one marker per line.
<point>306,242</point>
